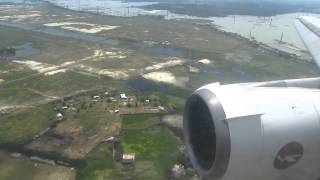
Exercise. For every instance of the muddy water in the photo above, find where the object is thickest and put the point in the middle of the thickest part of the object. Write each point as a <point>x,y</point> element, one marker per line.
<point>166,51</point>
<point>234,72</point>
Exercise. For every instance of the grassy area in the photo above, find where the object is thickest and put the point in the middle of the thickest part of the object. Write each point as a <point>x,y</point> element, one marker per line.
<point>54,49</point>
<point>173,98</point>
<point>97,164</point>
<point>23,168</point>
<point>19,127</point>
<point>86,124</point>
<point>139,122</point>
<point>155,147</point>
<point>61,84</point>
<point>150,143</point>
<point>18,96</point>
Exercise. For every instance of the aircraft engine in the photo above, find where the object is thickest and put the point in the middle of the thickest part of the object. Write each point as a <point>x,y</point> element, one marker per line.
<point>242,132</point>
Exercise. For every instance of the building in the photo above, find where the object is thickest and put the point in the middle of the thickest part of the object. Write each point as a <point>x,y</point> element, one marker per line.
<point>96,97</point>
<point>59,117</point>
<point>123,96</point>
<point>110,140</point>
<point>65,107</point>
<point>128,158</point>
<point>161,108</point>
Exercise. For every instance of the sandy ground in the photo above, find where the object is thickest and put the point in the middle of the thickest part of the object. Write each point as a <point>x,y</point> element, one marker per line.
<point>7,108</point>
<point>193,69</point>
<point>170,63</point>
<point>91,28</point>
<point>19,18</point>
<point>204,61</point>
<point>116,74</point>
<point>55,72</point>
<point>49,69</point>
<point>42,68</point>
<point>75,143</point>
<point>119,54</point>
<point>98,55</point>
<point>166,77</point>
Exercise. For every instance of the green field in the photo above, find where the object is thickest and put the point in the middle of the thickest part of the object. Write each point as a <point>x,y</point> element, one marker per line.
<point>98,164</point>
<point>151,143</point>
<point>19,127</point>
<point>155,147</point>
<point>22,168</point>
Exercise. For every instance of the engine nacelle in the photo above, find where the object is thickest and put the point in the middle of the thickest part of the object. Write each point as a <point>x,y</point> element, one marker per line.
<point>242,132</point>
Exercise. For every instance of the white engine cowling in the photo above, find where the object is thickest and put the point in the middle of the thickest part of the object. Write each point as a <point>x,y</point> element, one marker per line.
<point>242,132</point>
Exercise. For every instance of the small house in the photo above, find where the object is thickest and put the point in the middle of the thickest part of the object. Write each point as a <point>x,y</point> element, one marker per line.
<point>128,158</point>
<point>123,96</point>
<point>178,171</point>
<point>59,117</point>
<point>110,140</point>
<point>161,108</point>
<point>65,107</point>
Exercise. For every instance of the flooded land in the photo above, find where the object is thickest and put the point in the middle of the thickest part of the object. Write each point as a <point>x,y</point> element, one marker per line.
<point>80,91</point>
<point>269,23</point>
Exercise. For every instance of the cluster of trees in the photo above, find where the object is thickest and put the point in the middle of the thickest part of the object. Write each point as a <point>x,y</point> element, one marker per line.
<point>7,52</point>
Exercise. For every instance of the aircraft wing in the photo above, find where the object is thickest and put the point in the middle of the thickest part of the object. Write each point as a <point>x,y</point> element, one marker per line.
<point>309,30</point>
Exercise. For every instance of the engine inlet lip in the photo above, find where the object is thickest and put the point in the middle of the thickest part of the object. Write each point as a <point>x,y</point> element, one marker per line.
<point>222,135</point>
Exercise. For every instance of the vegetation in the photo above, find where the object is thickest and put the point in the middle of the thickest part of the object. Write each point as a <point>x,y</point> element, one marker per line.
<point>96,164</point>
<point>19,127</point>
<point>22,168</point>
<point>150,143</point>
<point>87,122</point>
<point>7,52</point>
<point>139,122</point>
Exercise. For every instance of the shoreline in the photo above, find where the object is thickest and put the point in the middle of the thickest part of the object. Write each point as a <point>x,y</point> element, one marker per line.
<point>261,45</point>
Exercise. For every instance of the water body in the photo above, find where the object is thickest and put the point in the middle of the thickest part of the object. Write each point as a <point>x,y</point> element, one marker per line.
<point>266,30</point>
<point>164,51</point>
<point>12,1</point>
<point>234,72</point>
<point>110,7</point>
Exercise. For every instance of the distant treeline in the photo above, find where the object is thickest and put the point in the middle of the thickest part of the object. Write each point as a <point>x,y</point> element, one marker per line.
<point>7,52</point>
<point>221,9</point>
